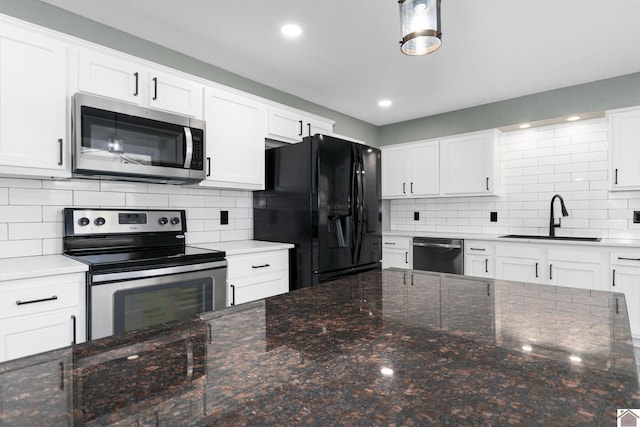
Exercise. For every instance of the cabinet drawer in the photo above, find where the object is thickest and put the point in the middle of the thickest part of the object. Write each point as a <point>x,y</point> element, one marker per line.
<point>396,242</point>
<point>31,296</point>
<point>625,258</point>
<point>478,248</point>
<point>516,251</point>
<point>253,288</point>
<point>257,263</point>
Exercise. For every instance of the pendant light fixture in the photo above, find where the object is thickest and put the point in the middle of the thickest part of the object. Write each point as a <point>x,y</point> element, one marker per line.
<point>420,24</point>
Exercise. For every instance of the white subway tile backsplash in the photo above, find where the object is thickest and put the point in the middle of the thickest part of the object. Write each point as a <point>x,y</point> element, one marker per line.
<point>37,197</point>
<point>568,159</point>
<point>20,214</point>
<point>31,220</point>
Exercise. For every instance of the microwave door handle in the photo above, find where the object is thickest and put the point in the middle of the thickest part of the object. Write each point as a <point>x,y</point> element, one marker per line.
<point>189,148</point>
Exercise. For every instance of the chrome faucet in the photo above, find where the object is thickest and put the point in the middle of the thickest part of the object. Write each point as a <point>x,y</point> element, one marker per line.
<point>552,224</point>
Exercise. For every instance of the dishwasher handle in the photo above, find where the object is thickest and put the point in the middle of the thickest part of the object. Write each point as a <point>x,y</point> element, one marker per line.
<point>437,245</point>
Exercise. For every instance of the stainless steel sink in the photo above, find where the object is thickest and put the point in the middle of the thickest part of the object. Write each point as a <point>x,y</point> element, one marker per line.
<point>532,236</point>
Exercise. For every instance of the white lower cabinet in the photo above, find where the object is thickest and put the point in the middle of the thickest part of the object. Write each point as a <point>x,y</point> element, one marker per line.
<point>478,259</point>
<point>257,275</point>
<point>397,252</point>
<point>41,314</point>
<point>519,263</point>
<point>624,276</point>
<point>575,267</point>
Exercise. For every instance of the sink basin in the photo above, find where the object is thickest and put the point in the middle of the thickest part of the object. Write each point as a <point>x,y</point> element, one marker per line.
<point>532,236</point>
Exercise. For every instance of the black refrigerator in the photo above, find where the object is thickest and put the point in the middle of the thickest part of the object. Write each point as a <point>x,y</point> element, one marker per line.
<point>324,196</point>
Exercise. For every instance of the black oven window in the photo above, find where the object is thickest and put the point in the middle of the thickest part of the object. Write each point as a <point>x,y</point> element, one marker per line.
<point>150,305</point>
<point>129,139</point>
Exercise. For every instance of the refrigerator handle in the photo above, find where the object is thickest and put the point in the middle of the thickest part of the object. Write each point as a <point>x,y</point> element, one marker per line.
<point>355,187</point>
<point>359,208</point>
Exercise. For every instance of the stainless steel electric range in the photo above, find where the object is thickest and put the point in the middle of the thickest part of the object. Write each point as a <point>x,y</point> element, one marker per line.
<point>141,272</point>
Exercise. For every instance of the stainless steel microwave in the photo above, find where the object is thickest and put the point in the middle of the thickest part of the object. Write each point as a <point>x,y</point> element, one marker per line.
<point>116,140</point>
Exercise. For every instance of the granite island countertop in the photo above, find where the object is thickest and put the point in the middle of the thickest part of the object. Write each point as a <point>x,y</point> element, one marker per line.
<point>391,347</point>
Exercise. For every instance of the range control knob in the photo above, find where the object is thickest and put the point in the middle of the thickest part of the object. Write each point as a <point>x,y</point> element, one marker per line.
<point>163,220</point>
<point>83,221</point>
<point>99,221</point>
<point>175,220</point>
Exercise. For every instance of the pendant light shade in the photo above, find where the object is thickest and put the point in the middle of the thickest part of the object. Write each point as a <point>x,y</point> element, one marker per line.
<point>420,24</point>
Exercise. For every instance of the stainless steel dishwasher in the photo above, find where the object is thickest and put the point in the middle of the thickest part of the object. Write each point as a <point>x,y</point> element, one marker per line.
<point>440,255</point>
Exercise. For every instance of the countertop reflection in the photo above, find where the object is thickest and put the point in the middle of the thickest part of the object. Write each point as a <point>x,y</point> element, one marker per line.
<point>378,348</point>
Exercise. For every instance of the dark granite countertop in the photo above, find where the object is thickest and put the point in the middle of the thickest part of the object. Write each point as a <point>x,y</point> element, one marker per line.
<point>390,347</point>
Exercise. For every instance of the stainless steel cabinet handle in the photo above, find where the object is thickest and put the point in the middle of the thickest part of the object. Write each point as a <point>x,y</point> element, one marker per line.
<point>52,298</point>
<point>155,88</point>
<point>60,152</point>
<point>136,75</point>
<point>261,266</point>
<point>436,245</point>
<point>233,294</point>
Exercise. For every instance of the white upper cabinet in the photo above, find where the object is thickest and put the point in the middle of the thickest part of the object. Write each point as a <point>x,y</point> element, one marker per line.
<point>235,140</point>
<point>469,165</point>
<point>117,77</point>
<point>411,170</point>
<point>290,125</point>
<point>394,171</point>
<point>33,89</point>
<point>624,137</point>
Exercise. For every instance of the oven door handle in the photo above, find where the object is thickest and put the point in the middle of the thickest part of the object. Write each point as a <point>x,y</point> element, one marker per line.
<point>188,152</point>
<point>137,274</point>
<point>437,245</point>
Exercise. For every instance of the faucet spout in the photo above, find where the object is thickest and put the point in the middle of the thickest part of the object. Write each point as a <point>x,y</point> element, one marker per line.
<point>552,223</point>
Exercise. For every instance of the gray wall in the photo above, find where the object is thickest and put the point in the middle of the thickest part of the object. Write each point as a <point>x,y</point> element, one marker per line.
<point>598,96</point>
<point>60,20</point>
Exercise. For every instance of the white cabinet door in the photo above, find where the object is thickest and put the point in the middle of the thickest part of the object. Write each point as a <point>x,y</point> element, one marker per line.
<point>175,94</point>
<point>519,269</point>
<point>315,126</point>
<point>292,125</point>
<point>423,162</point>
<point>33,90</point>
<point>575,274</point>
<point>112,77</point>
<point>252,288</point>
<point>624,134</point>
<point>394,172</point>
<point>394,258</point>
<point>116,77</point>
<point>235,141</point>
<point>24,336</point>
<point>285,125</point>
<point>468,164</point>
<point>478,266</point>
<point>627,280</point>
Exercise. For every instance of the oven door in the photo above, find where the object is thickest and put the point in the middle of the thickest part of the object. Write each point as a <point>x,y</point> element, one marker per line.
<point>124,301</point>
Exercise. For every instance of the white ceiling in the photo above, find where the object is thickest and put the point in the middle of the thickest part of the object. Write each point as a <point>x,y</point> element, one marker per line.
<point>348,57</point>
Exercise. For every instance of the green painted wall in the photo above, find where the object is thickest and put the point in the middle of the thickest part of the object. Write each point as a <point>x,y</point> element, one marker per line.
<point>598,96</point>
<point>44,14</point>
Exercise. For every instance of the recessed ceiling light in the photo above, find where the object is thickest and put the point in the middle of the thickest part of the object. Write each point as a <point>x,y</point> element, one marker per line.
<point>384,103</point>
<point>524,126</point>
<point>291,30</point>
<point>573,118</point>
